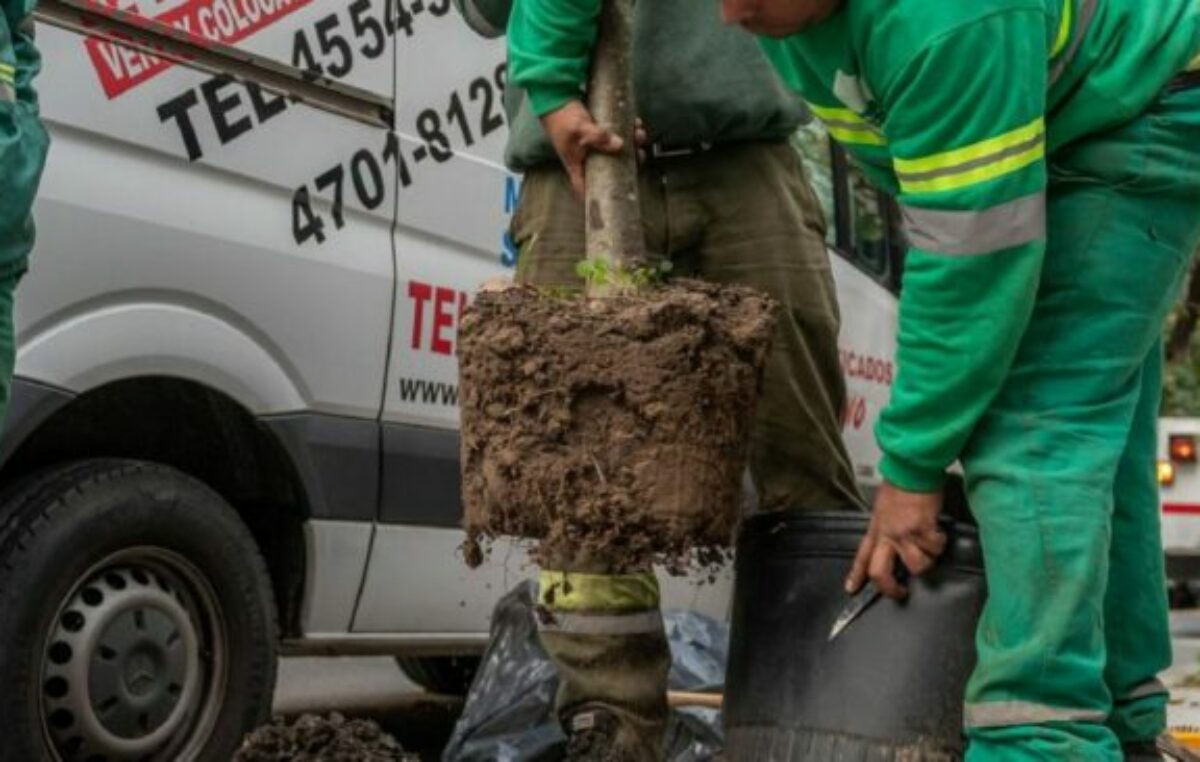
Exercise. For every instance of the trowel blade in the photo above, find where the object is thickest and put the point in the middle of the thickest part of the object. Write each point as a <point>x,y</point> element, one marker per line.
<point>861,601</point>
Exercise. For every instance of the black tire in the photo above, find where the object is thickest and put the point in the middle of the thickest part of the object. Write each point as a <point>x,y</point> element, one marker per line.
<point>136,581</point>
<point>448,675</point>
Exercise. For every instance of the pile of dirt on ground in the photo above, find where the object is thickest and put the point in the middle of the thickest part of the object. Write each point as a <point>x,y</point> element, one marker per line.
<point>615,430</point>
<point>312,738</point>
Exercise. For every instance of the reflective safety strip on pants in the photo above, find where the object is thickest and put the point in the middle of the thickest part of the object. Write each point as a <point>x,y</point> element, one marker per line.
<point>8,75</point>
<point>598,593</point>
<point>998,714</point>
<point>1145,690</point>
<point>634,623</point>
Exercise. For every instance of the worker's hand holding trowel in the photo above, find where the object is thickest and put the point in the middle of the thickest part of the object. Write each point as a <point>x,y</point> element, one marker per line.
<point>904,526</point>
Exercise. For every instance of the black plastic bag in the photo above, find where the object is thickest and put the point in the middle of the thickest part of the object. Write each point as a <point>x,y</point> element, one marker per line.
<point>509,715</point>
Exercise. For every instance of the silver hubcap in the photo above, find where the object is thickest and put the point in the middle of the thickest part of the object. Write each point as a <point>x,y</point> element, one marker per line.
<point>133,668</point>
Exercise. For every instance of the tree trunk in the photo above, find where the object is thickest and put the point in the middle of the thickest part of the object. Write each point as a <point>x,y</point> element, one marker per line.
<point>1185,322</point>
<point>614,219</point>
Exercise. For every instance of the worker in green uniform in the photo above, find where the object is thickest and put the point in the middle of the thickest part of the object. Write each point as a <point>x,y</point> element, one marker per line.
<point>723,196</point>
<point>1046,156</point>
<point>23,144</point>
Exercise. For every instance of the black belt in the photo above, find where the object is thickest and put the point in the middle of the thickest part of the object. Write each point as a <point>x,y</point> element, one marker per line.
<point>660,150</point>
<point>1185,81</point>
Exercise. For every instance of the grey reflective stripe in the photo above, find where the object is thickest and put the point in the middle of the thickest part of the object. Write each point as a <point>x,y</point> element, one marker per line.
<point>7,94</point>
<point>1146,689</point>
<point>963,234</point>
<point>602,624</point>
<point>852,126</point>
<point>1087,11</point>
<point>1001,714</point>
<point>966,166</point>
<point>476,20</point>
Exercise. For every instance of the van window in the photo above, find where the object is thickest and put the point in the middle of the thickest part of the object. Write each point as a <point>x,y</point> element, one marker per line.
<point>862,222</point>
<point>812,143</point>
<point>868,225</point>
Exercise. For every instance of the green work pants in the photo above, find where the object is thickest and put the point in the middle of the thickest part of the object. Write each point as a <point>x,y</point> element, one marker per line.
<point>743,214</point>
<point>1061,469</point>
<point>8,344</point>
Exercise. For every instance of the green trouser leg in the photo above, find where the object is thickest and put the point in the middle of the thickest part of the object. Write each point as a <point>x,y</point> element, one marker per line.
<point>8,289</point>
<point>1075,626</point>
<point>1136,630</point>
<point>738,214</point>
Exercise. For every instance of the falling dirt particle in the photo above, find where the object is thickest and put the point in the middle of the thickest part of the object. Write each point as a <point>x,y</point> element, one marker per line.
<point>472,552</point>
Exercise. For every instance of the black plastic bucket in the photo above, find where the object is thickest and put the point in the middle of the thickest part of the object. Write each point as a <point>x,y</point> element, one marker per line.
<point>888,689</point>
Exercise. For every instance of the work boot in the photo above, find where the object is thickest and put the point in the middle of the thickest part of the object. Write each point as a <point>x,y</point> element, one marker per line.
<point>593,735</point>
<point>604,634</point>
<point>612,695</point>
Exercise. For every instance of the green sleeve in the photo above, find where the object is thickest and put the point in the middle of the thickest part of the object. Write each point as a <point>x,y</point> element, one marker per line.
<point>549,49</point>
<point>965,129</point>
<point>27,62</point>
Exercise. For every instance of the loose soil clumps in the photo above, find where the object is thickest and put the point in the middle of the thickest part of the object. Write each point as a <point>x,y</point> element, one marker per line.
<point>614,430</point>
<point>313,738</point>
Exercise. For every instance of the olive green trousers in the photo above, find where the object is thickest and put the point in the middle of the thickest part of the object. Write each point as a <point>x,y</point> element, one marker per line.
<point>738,214</point>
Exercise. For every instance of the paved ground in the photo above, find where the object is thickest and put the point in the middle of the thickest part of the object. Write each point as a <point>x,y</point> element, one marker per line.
<point>1184,675</point>
<point>376,688</point>
<point>368,687</point>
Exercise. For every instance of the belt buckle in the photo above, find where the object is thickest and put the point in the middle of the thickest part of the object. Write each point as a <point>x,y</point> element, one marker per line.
<point>659,151</point>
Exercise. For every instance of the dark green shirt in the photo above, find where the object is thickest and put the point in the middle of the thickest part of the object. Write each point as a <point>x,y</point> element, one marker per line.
<point>696,79</point>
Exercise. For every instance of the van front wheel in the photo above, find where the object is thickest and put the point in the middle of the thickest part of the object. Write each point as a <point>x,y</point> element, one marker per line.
<point>138,618</point>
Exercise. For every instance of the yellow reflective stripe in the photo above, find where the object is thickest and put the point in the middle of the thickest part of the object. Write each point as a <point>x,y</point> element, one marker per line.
<point>1064,29</point>
<point>992,171</point>
<point>950,159</point>
<point>863,137</point>
<point>845,126</point>
<point>7,73</point>
<point>568,591</point>
<point>828,114</point>
<point>1194,65</point>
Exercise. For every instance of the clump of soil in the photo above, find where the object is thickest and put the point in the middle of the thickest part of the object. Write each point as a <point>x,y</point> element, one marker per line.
<point>615,430</point>
<point>331,738</point>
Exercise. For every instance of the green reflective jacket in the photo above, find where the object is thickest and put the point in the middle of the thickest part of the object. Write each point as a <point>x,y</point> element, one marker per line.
<point>23,140</point>
<point>960,108</point>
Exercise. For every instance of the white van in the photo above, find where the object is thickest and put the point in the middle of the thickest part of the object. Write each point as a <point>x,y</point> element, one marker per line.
<point>1179,483</point>
<point>232,431</point>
